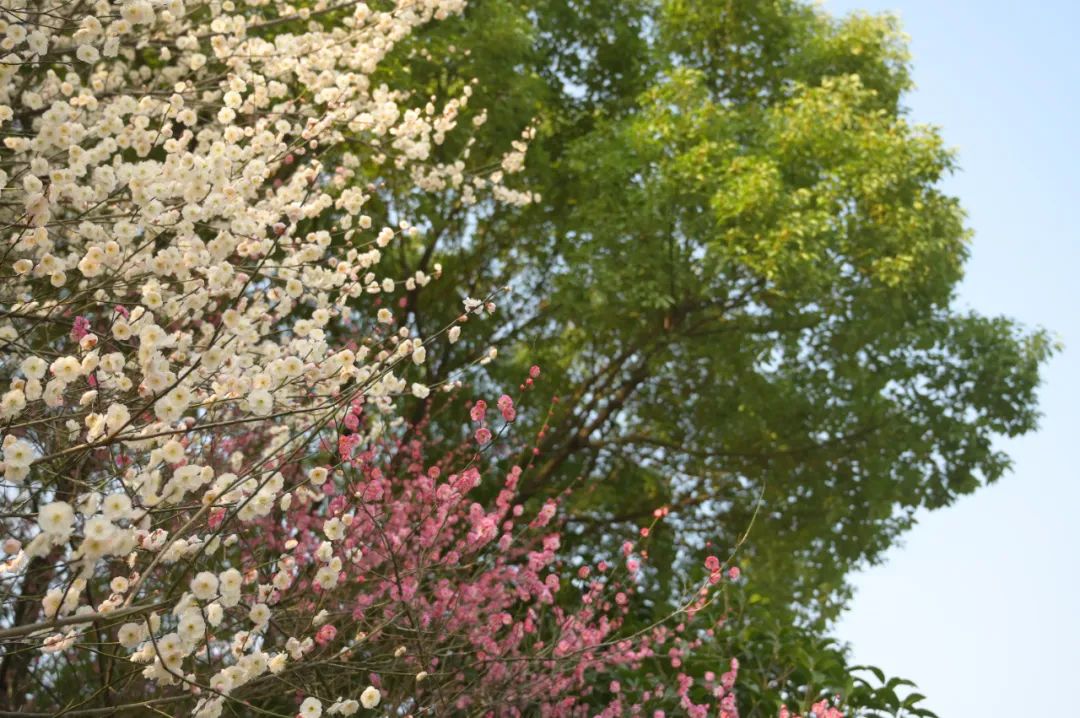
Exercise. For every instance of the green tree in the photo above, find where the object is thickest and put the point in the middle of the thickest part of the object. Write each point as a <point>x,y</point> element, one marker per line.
<point>740,279</point>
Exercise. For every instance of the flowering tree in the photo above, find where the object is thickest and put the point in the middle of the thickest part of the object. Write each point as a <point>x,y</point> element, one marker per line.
<point>208,505</point>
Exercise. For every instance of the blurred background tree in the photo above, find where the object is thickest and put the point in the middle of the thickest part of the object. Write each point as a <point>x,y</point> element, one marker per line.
<point>740,279</point>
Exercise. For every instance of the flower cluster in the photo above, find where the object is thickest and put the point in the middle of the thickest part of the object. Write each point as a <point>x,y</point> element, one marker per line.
<point>184,217</point>
<point>461,606</point>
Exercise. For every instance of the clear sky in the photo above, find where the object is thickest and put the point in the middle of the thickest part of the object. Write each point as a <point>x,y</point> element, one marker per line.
<point>980,604</point>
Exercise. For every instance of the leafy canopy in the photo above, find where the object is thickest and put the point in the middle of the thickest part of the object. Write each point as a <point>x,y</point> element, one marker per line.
<point>741,278</point>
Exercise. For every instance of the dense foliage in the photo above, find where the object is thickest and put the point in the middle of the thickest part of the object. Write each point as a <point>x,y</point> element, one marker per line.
<point>741,275</point>
<point>741,279</point>
<point>261,259</point>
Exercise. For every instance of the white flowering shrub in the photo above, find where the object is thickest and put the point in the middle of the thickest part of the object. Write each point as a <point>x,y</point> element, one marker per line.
<point>182,217</point>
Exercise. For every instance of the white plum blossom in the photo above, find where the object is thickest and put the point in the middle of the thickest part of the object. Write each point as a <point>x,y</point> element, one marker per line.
<point>311,708</point>
<point>204,585</point>
<point>260,402</point>
<point>130,634</point>
<point>370,697</point>
<point>346,707</point>
<point>116,506</point>
<point>334,529</point>
<point>259,614</point>
<point>194,292</point>
<point>57,519</point>
<point>18,455</point>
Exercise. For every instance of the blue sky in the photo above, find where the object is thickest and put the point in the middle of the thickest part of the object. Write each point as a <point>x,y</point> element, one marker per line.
<point>979,605</point>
